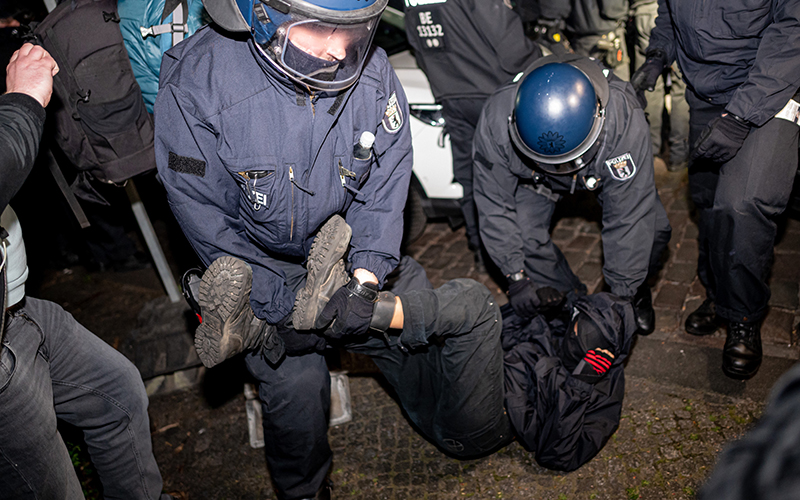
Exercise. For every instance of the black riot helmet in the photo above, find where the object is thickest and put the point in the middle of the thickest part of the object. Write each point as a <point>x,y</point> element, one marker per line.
<point>321,44</point>
<point>559,111</point>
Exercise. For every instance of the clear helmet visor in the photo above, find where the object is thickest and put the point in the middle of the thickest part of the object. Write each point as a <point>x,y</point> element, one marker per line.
<point>323,55</point>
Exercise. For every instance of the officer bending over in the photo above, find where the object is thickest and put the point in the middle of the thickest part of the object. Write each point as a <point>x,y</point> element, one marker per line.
<point>568,124</point>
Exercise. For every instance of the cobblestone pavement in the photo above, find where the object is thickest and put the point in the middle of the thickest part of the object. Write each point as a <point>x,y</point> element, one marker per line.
<point>679,409</point>
<point>667,441</point>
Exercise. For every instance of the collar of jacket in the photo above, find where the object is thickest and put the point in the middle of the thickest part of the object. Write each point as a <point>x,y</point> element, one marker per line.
<point>286,84</point>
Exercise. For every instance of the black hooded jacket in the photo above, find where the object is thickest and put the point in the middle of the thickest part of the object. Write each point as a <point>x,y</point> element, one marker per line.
<point>563,420</point>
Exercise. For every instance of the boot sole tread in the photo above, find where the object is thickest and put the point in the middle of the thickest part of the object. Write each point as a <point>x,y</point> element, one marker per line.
<point>224,290</point>
<point>327,250</point>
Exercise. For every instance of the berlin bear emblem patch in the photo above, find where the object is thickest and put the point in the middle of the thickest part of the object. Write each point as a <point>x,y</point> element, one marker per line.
<point>393,117</point>
<point>622,167</point>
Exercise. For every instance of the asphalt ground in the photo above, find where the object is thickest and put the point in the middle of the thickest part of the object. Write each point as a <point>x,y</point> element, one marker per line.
<point>679,409</point>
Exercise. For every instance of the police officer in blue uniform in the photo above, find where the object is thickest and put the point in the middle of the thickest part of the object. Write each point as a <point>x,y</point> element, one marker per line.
<point>257,119</point>
<point>741,63</point>
<point>568,124</point>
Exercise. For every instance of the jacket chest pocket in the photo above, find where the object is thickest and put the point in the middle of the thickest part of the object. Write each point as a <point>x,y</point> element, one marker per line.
<point>257,187</point>
<point>740,19</point>
<point>256,178</point>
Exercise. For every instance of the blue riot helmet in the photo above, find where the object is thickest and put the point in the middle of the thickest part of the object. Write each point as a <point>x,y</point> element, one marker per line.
<point>321,44</point>
<point>559,110</point>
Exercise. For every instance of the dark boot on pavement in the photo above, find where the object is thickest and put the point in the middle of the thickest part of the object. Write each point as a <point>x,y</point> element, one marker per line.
<point>643,310</point>
<point>228,324</point>
<point>703,321</point>
<point>326,272</point>
<point>741,356</point>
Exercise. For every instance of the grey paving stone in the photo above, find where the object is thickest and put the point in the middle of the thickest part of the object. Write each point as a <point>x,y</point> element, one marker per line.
<point>671,296</point>
<point>681,272</point>
<point>784,293</point>
<point>583,243</point>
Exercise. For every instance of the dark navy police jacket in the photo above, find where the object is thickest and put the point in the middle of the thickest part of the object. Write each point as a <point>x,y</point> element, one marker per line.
<point>741,54</point>
<point>628,196</point>
<point>252,166</point>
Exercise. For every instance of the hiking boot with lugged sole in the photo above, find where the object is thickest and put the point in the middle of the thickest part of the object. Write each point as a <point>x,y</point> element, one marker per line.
<point>229,325</point>
<point>326,272</point>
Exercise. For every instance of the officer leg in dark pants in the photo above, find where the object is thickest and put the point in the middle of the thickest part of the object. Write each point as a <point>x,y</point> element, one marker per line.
<point>461,117</point>
<point>737,204</point>
<point>295,399</point>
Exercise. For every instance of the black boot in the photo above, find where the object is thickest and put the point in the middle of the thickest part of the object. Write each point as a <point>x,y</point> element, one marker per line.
<point>703,321</point>
<point>741,356</point>
<point>643,310</point>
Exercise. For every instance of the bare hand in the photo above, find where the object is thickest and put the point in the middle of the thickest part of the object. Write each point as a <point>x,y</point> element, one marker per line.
<point>30,71</point>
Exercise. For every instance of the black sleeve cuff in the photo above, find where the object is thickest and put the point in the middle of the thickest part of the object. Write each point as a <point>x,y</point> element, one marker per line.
<point>27,102</point>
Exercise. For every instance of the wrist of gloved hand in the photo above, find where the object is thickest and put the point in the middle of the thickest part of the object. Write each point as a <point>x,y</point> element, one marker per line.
<point>523,298</point>
<point>722,138</point>
<point>349,311</point>
<point>297,343</point>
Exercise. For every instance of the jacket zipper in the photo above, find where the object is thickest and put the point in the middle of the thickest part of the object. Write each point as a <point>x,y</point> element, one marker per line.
<point>291,224</point>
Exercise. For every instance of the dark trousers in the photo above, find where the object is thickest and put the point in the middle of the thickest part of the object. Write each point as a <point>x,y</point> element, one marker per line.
<point>53,368</point>
<point>450,383</point>
<point>737,203</point>
<point>461,117</point>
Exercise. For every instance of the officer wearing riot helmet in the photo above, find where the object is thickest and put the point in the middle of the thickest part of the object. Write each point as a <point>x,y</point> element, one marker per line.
<point>255,140</point>
<point>467,48</point>
<point>568,124</point>
<point>741,63</point>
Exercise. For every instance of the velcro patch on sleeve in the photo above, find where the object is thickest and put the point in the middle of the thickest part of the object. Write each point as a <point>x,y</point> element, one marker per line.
<point>482,160</point>
<point>186,165</point>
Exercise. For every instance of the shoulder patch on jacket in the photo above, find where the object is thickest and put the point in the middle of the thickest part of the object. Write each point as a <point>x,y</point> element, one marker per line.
<point>186,165</point>
<point>393,117</point>
<point>622,167</point>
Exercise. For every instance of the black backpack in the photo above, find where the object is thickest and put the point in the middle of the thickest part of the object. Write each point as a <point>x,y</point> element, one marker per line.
<point>100,120</point>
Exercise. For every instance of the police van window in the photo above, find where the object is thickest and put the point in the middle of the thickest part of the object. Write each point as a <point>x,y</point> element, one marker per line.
<point>391,35</point>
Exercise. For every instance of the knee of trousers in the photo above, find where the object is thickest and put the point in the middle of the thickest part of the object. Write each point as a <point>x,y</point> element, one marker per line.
<point>129,391</point>
<point>467,307</point>
<point>494,435</point>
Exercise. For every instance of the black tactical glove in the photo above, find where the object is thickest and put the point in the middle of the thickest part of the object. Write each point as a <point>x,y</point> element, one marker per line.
<point>646,76</point>
<point>349,311</point>
<point>550,299</point>
<point>722,139</point>
<point>297,343</point>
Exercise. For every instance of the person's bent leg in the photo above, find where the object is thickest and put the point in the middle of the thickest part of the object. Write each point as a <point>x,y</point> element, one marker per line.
<point>450,382</point>
<point>34,462</point>
<point>295,399</point>
<point>97,389</point>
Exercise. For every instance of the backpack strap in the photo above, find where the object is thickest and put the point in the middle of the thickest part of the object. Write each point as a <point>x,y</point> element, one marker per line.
<point>72,201</point>
<point>178,27</point>
<point>71,82</point>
